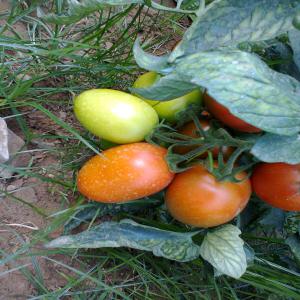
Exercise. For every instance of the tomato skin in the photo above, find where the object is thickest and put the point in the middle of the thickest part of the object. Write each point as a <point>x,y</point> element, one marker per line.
<point>167,109</point>
<point>221,113</point>
<point>190,129</point>
<point>197,199</point>
<point>278,184</point>
<point>114,115</point>
<point>125,173</point>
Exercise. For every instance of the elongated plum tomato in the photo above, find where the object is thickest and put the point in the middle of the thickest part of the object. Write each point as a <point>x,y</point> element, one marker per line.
<point>125,173</point>
<point>114,115</point>
<point>167,109</point>
<point>221,113</point>
<point>190,129</point>
<point>278,184</point>
<point>196,198</point>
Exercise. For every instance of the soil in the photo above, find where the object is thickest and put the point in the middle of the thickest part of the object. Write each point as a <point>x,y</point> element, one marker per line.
<point>19,222</point>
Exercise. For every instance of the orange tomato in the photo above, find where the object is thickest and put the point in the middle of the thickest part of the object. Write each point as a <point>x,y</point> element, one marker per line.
<point>125,173</point>
<point>190,129</point>
<point>278,184</point>
<point>221,113</point>
<point>196,198</point>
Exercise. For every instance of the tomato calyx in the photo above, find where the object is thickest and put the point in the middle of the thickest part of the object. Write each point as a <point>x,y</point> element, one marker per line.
<point>227,171</point>
<point>204,143</point>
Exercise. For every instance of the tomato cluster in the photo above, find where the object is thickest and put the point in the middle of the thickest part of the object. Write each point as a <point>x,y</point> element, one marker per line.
<point>137,169</point>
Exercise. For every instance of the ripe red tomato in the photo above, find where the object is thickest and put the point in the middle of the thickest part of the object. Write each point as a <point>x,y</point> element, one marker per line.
<point>124,173</point>
<point>225,116</point>
<point>196,198</point>
<point>190,129</point>
<point>278,184</point>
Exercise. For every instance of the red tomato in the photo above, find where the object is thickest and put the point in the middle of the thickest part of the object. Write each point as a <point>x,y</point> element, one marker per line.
<point>196,198</point>
<point>225,116</point>
<point>191,130</point>
<point>278,184</point>
<point>124,173</point>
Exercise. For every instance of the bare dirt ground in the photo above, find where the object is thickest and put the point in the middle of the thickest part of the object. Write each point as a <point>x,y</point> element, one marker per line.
<point>18,221</point>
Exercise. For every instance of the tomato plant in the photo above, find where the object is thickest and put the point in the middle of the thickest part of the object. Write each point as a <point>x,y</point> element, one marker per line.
<point>229,52</point>
<point>224,115</point>
<point>190,129</point>
<point>114,115</point>
<point>278,184</point>
<point>124,173</point>
<point>168,110</point>
<point>196,198</point>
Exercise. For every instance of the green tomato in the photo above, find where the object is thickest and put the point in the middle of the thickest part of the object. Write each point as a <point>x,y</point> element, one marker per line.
<point>167,109</point>
<point>114,115</point>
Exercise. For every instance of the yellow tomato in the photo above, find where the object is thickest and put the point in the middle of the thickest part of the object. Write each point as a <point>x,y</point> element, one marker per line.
<point>167,109</point>
<point>114,115</point>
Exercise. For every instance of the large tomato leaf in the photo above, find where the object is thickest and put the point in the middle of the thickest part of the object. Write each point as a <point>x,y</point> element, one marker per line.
<point>277,148</point>
<point>149,61</point>
<point>294,36</point>
<point>97,209</point>
<point>224,250</point>
<point>230,22</point>
<point>127,233</point>
<point>77,10</point>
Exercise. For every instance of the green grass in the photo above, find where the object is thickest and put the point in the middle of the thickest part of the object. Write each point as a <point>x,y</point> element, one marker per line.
<point>43,72</point>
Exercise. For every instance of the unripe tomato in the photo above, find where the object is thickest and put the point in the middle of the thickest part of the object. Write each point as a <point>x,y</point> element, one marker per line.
<point>221,113</point>
<point>278,184</point>
<point>114,115</point>
<point>167,109</point>
<point>196,198</point>
<point>190,129</point>
<point>125,173</point>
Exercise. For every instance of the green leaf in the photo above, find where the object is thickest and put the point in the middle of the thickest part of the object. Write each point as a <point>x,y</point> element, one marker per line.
<point>155,5</point>
<point>127,233</point>
<point>292,222</point>
<point>282,55</point>
<point>21,88</point>
<point>191,4</point>
<point>224,249</point>
<point>169,87</point>
<point>77,10</point>
<point>247,87</point>
<point>96,209</point>
<point>296,20</point>
<point>277,148</point>
<point>230,22</point>
<point>63,124</point>
<point>294,243</point>
<point>294,36</point>
<point>148,61</point>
